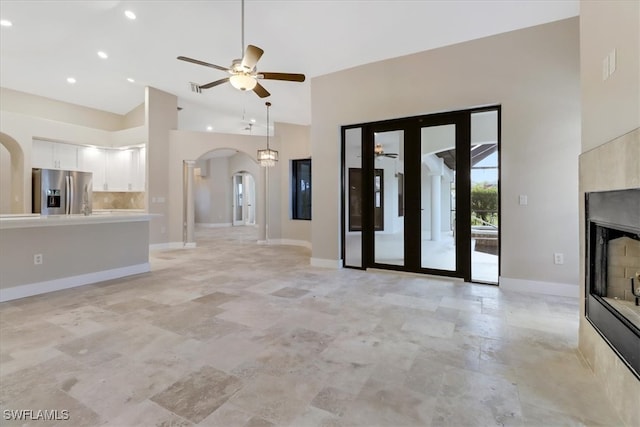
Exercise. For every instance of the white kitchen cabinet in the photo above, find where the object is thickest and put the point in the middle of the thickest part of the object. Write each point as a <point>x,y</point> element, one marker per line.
<point>54,155</point>
<point>139,169</point>
<point>93,159</point>
<point>119,173</point>
<point>113,169</point>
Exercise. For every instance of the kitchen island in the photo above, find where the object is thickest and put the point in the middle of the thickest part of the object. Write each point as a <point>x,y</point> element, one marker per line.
<point>40,254</point>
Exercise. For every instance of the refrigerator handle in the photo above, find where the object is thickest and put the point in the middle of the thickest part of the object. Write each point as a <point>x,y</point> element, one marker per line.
<point>70,195</point>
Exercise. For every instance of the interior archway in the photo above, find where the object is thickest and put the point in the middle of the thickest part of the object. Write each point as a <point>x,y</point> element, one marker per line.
<point>12,181</point>
<point>215,192</point>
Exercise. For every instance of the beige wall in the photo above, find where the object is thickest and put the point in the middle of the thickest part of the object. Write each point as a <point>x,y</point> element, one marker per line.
<point>50,109</point>
<point>610,159</point>
<point>213,194</point>
<point>160,118</point>
<point>611,107</point>
<point>70,250</point>
<point>534,74</point>
<point>294,145</point>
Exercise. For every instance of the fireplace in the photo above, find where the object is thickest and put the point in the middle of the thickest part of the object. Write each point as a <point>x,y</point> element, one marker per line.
<point>612,294</point>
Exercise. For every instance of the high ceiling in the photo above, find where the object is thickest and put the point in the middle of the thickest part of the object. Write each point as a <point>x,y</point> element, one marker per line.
<point>52,40</point>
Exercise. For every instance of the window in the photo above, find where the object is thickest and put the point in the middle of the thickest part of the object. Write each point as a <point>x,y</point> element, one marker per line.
<point>301,189</point>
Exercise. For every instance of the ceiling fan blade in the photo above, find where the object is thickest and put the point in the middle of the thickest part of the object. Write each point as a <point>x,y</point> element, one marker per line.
<point>290,77</point>
<point>216,83</point>
<point>261,91</point>
<point>251,56</point>
<point>206,64</point>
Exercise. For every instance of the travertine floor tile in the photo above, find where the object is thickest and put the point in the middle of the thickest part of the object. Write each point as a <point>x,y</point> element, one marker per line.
<point>236,334</point>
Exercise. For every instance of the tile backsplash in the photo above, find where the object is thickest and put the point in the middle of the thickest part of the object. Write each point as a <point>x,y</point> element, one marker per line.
<point>118,200</point>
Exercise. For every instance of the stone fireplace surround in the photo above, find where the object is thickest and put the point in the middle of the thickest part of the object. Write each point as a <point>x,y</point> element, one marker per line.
<point>614,165</point>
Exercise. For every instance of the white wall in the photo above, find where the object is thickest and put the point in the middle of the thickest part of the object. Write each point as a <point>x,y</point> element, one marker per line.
<point>534,74</point>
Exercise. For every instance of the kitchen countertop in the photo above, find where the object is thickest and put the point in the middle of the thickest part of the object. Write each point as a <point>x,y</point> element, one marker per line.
<point>97,217</point>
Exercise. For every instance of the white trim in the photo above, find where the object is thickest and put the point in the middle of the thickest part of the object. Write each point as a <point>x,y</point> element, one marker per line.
<point>22,291</point>
<point>213,224</point>
<point>191,245</point>
<point>290,242</point>
<point>326,263</point>
<point>547,288</point>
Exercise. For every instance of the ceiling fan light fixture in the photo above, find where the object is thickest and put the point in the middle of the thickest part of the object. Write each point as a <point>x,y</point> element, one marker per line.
<point>243,81</point>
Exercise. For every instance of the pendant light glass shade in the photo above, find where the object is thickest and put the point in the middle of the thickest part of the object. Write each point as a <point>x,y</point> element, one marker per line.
<point>268,157</point>
<point>243,81</point>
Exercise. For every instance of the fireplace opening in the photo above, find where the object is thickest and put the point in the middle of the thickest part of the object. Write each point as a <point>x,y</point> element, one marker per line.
<point>612,297</point>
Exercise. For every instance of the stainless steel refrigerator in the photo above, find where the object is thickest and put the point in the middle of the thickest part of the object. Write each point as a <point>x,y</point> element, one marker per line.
<point>60,192</point>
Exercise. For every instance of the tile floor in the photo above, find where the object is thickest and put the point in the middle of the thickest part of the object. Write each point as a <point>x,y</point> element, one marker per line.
<point>238,334</point>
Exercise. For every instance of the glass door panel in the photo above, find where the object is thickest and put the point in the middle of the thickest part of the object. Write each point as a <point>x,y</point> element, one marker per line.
<point>437,196</point>
<point>353,203</point>
<point>238,204</point>
<point>388,158</point>
<point>484,197</point>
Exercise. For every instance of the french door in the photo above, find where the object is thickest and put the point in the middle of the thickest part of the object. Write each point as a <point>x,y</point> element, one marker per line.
<point>408,185</point>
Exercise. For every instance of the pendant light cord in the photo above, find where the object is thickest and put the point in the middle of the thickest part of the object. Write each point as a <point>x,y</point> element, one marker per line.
<point>268,104</point>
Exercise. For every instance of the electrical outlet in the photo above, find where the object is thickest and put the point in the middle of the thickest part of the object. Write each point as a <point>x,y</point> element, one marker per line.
<point>558,258</point>
<point>37,259</point>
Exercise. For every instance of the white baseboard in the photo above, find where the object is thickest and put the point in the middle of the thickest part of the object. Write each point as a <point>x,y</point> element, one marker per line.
<point>326,263</point>
<point>532,286</point>
<point>190,245</point>
<point>166,246</point>
<point>213,224</point>
<point>71,282</point>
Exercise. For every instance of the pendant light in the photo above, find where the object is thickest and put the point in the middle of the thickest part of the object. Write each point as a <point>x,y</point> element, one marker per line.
<point>267,158</point>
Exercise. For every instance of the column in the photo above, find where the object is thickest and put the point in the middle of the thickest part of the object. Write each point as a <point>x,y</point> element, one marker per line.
<point>189,211</point>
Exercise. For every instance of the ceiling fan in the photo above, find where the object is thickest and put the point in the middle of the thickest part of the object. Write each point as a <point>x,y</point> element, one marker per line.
<point>243,72</point>
<point>379,151</point>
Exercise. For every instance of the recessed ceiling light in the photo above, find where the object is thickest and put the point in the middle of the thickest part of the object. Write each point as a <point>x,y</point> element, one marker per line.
<point>130,80</point>
<point>129,14</point>
<point>71,80</point>
<point>6,23</point>
<point>209,128</point>
<point>102,54</point>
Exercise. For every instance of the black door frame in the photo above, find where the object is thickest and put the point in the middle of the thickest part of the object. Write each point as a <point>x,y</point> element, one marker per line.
<point>412,218</point>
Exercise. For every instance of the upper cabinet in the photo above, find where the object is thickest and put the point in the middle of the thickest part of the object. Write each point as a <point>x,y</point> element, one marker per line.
<point>113,169</point>
<point>92,159</point>
<point>54,155</point>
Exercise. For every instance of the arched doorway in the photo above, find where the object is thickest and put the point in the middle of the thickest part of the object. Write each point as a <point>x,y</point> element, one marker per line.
<point>12,179</point>
<point>225,192</point>
<point>244,199</point>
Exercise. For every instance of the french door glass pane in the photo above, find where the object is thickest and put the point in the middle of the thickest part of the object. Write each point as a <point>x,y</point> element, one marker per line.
<point>437,181</point>
<point>353,202</point>
<point>484,197</point>
<point>388,218</point>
